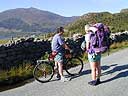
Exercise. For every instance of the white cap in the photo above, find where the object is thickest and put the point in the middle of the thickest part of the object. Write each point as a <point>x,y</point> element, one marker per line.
<point>93,29</point>
<point>87,27</point>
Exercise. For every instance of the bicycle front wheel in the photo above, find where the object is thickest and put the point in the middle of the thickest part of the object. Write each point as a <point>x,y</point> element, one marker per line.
<point>74,66</point>
<point>43,72</point>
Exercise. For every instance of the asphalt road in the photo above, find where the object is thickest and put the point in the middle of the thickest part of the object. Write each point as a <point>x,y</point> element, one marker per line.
<point>114,81</point>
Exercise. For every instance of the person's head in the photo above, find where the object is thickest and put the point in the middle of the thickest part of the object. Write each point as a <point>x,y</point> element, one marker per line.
<point>86,27</point>
<point>93,29</point>
<point>100,26</point>
<point>60,30</point>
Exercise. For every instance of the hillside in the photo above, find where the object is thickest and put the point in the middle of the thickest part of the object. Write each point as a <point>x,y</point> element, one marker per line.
<point>118,22</point>
<point>32,20</point>
<point>35,20</point>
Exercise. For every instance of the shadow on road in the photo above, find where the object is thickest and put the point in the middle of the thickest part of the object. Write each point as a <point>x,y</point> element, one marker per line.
<point>105,67</point>
<point>8,87</point>
<point>85,72</point>
<point>120,75</point>
<point>115,69</point>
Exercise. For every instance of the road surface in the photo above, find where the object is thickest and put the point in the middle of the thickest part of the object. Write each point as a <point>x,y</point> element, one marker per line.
<point>114,81</point>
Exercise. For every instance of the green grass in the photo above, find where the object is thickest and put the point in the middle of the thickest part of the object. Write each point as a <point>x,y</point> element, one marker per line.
<point>118,46</point>
<point>14,75</point>
<point>3,41</point>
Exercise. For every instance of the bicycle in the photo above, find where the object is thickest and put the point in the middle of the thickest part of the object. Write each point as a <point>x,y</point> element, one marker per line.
<point>44,70</point>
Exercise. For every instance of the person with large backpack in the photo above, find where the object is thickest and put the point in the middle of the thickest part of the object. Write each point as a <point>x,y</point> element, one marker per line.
<point>97,42</point>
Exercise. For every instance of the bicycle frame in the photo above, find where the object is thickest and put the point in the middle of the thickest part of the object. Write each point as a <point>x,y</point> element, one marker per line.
<point>42,70</point>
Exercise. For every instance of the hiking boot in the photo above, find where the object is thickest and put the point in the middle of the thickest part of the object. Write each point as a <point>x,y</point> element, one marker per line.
<point>98,81</point>
<point>58,76</point>
<point>64,79</point>
<point>94,82</point>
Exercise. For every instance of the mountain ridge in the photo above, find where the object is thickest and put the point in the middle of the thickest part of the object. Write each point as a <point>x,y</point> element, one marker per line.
<point>118,22</point>
<point>33,19</point>
<point>36,20</point>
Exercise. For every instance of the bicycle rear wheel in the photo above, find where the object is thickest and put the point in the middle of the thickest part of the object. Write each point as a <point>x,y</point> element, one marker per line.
<point>74,66</point>
<point>43,72</point>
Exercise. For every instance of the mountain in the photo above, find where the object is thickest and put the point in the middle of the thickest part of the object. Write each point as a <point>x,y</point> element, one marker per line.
<point>32,20</point>
<point>124,11</point>
<point>117,22</point>
<point>35,20</point>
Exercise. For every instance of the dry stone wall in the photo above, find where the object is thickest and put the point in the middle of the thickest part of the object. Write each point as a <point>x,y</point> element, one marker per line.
<point>31,49</point>
<point>15,53</point>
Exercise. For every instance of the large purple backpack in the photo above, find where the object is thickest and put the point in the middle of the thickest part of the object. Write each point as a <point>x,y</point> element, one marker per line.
<point>99,40</point>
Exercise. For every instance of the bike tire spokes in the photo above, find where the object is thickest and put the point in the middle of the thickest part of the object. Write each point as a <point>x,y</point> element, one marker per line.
<point>43,72</point>
<point>74,66</point>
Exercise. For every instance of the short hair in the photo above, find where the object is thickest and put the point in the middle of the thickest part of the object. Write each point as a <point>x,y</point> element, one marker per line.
<point>60,29</point>
<point>86,27</point>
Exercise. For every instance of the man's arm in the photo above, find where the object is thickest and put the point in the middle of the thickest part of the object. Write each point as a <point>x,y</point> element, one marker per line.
<point>66,46</point>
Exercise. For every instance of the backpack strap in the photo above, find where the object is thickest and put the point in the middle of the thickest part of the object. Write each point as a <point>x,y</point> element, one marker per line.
<point>91,47</point>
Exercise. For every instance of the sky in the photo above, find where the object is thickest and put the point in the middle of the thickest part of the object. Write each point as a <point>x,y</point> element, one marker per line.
<point>67,8</point>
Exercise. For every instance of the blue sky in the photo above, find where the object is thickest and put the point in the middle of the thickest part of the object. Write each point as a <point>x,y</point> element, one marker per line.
<point>67,7</point>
